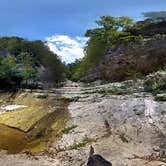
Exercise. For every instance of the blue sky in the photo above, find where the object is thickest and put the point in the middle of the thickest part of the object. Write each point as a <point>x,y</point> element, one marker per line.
<point>45,19</point>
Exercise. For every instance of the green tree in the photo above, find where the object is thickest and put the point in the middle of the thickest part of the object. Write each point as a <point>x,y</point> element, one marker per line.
<point>28,70</point>
<point>112,32</point>
<point>112,23</point>
<point>10,77</point>
<point>37,50</point>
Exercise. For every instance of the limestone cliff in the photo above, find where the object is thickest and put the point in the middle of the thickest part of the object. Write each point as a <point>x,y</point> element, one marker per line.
<point>130,61</point>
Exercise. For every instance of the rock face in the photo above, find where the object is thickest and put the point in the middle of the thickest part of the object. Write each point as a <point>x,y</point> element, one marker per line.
<point>130,61</point>
<point>126,129</point>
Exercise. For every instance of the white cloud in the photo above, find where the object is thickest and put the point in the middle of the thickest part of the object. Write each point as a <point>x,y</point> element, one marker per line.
<point>69,49</point>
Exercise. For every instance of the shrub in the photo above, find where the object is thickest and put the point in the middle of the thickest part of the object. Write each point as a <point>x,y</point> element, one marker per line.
<point>86,140</point>
<point>123,138</point>
<point>42,96</point>
<point>160,98</point>
<point>67,130</point>
<point>155,82</point>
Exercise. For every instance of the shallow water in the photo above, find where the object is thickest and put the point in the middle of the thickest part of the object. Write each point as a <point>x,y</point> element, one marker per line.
<point>39,136</point>
<point>12,140</point>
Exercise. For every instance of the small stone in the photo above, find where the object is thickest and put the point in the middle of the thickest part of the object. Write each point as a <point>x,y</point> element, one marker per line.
<point>139,110</point>
<point>156,148</point>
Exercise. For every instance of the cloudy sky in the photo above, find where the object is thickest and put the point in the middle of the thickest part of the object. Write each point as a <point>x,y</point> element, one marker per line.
<point>62,23</point>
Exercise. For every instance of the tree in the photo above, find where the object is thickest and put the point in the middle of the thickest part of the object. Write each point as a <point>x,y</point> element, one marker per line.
<point>10,77</point>
<point>111,29</point>
<point>113,23</point>
<point>28,70</point>
<point>110,33</point>
<point>70,70</point>
<point>32,57</point>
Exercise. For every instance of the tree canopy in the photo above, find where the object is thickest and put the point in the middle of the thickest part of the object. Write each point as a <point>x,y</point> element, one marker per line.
<point>21,59</point>
<point>111,32</point>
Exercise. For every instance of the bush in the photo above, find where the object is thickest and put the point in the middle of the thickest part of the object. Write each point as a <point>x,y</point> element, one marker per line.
<point>42,96</point>
<point>161,97</point>
<point>123,138</point>
<point>10,77</point>
<point>67,130</point>
<point>25,60</point>
<point>155,82</point>
<point>86,140</point>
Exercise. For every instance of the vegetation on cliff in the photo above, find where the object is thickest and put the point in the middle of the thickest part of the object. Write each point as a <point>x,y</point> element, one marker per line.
<point>21,60</point>
<point>111,34</point>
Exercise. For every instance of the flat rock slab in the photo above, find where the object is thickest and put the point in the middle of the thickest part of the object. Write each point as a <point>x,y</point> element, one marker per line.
<point>27,111</point>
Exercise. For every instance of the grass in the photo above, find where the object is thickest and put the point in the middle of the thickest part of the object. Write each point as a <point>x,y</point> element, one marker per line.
<point>59,85</point>
<point>155,91</point>
<point>67,130</point>
<point>160,98</point>
<point>86,140</point>
<point>156,83</point>
<point>73,99</point>
<point>42,96</point>
<point>123,138</point>
<point>113,91</point>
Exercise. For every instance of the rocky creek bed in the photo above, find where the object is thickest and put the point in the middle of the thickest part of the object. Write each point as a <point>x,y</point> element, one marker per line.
<point>124,124</point>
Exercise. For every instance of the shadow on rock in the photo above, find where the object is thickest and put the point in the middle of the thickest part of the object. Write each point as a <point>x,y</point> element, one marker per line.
<point>96,160</point>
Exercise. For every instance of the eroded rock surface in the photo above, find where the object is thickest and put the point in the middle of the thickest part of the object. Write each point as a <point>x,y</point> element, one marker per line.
<point>133,135</point>
<point>125,125</point>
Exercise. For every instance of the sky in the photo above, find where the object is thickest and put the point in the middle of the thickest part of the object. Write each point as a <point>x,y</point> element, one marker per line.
<point>63,23</point>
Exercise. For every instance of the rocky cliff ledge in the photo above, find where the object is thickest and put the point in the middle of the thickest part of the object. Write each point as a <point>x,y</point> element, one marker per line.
<point>131,61</point>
